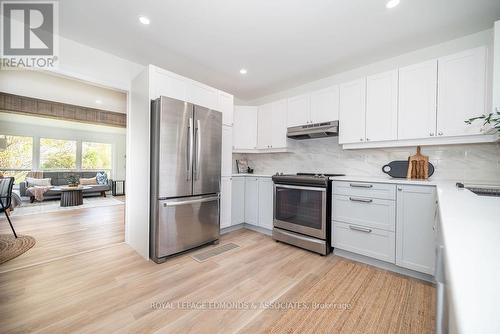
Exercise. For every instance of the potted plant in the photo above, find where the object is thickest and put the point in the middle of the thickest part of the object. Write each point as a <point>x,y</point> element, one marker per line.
<point>72,181</point>
<point>491,122</point>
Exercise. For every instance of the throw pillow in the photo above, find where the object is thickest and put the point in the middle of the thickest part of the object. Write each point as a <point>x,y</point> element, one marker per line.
<point>102,178</point>
<point>38,182</point>
<point>88,181</point>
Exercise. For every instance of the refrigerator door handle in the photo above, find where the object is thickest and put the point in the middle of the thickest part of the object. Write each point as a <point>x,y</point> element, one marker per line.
<point>189,150</point>
<point>198,150</point>
<point>192,201</point>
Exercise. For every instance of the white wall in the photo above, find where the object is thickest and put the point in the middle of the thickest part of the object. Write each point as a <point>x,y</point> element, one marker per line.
<point>137,216</point>
<point>496,71</point>
<point>48,86</point>
<point>467,42</point>
<point>11,124</point>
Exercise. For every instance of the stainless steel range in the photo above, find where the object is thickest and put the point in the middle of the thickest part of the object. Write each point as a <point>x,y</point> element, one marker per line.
<point>302,210</point>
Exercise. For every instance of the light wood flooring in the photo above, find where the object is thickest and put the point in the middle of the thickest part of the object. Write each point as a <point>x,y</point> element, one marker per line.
<point>113,289</point>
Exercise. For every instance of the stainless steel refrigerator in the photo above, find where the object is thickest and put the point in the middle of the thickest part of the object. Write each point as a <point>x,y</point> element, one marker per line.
<point>186,144</point>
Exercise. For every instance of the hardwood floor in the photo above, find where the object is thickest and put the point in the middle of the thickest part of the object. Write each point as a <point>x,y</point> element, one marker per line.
<point>64,233</point>
<point>115,290</point>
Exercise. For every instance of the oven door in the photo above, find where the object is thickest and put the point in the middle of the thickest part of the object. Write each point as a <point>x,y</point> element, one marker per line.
<point>300,209</point>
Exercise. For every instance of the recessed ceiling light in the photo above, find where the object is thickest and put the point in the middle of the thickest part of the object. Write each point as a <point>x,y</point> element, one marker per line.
<point>98,102</point>
<point>144,20</point>
<point>243,71</point>
<point>392,3</point>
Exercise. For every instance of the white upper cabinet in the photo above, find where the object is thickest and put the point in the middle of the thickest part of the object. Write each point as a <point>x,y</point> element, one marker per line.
<point>461,92</point>
<point>352,111</point>
<point>417,101</point>
<point>382,106</point>
<point>325,105</point>
<point>227,151</point>
<point>226,106</point>
<point>264,126</point>
<point>299,110</point>
<point>245,128</point>
<point>203,95</point>
<point>164,83</point>
<point>278,124</point>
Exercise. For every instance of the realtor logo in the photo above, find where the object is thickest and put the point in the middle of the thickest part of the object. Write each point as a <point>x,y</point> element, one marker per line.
<point>29,34</point>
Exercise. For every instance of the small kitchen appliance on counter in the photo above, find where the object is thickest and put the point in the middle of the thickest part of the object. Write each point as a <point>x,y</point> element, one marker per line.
<point>302,210</point>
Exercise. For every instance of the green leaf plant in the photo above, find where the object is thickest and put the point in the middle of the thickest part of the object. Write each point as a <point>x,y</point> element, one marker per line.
<point>492,119</point>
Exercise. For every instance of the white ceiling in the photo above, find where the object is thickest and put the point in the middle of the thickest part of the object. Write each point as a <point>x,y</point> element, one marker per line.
<point>282,43</point>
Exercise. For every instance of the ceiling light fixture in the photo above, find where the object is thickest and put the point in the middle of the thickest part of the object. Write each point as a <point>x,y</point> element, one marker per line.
<point>392,3</point>
<point>243,71</point>
<point>144,20</point>
<point>98,101</point>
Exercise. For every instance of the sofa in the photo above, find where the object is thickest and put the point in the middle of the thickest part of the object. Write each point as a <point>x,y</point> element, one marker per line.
<point>60,179</point>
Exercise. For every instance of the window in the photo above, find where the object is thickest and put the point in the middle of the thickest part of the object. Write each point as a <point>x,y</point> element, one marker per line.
<point>16,156</point>
<point>96,156</point>
<point>57,154</point>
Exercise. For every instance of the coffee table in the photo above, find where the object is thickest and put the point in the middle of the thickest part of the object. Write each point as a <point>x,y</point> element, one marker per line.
<point>71,196</point>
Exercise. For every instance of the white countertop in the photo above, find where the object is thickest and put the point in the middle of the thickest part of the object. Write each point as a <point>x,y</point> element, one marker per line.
<point>471,231</point>
<point>250,175</point>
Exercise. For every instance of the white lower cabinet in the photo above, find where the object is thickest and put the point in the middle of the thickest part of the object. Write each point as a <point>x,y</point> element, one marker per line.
<point>266,203</point>
<point>252,200</point>
<point>396,229</point>
<point>372,242</point>
<point>225,202</point>
<point>415,237</point>
<point>237,200</point>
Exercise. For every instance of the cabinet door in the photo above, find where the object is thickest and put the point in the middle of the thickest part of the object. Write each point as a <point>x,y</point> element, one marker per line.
<point>415,241</point>
<point>225,202</point>
<point>227,151</point>
<point>325,105</point>
<point>417,101</point>
<point>299,110</point>
<point>352,111</point>
<point>496,69</point>
<point>237,200</point>
<point>461,92</point>
<point>245,128</point>
<point>203,95</point>
<point>266,203</point>
<point>382,106</point>
<point>264,126</point>
<point>252,200</point>
<point>226,106</point>
<point>164,83</point>
<point>279,121</point>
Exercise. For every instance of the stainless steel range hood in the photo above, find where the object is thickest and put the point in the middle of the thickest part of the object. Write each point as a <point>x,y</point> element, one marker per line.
<point>317,130</point>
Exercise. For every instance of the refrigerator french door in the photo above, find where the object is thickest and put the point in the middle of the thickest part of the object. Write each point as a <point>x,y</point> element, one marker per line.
<point>185,176</point>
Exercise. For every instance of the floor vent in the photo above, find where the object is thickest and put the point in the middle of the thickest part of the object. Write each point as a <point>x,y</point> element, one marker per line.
<point>203,256</point>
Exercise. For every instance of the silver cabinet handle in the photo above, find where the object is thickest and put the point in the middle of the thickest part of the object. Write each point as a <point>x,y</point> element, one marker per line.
<point>440,133</point>
<point>360,229</point>
<point>367,139</point>
<point>362,200</point>
<point>189,149</point>
<point>431,134</point>
<point>357,185</point>
<point>400,189</point>
<point>360,139</point>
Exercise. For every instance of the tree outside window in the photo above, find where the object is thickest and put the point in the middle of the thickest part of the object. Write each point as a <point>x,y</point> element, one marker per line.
<point>17,157</point>
<point>57,154</point>
<point>96,156</point>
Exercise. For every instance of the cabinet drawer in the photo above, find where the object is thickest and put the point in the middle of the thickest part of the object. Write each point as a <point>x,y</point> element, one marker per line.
<point>372,242</point>
<point>370,212</point>
<point>365,189</point>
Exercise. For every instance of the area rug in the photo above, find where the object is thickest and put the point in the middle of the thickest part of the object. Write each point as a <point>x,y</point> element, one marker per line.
<point>28,208</point>
<point>10,247</point>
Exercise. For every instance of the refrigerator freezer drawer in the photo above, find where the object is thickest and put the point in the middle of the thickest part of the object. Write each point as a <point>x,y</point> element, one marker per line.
<point>185,223</point>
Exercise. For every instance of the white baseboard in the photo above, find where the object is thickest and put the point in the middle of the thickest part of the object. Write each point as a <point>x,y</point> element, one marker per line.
<point>383,265</point>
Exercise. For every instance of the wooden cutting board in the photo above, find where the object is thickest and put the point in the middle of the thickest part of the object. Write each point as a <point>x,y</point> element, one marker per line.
<point>418,166</point>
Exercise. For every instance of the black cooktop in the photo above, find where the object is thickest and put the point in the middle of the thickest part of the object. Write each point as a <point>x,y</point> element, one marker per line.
<point>306,179</point>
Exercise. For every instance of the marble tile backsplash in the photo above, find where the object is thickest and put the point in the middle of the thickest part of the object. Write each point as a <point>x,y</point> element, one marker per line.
<point>472,162</point>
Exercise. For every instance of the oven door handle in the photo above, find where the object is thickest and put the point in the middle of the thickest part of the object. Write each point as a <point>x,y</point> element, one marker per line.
<point>301,188</point>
